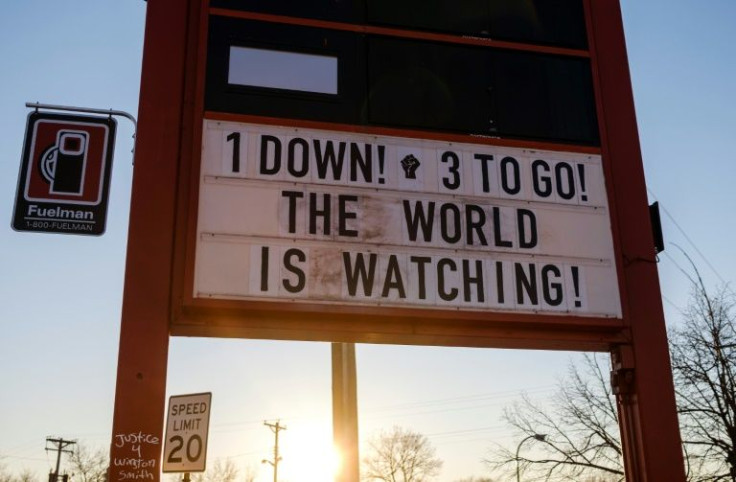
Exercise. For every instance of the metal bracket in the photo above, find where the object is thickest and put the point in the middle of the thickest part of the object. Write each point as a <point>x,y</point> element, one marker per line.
<point>622,381</point>
<point>622,370</point>
<point>88,110</point>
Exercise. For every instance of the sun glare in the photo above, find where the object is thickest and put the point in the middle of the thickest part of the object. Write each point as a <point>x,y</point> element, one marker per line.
<point>308,454</point>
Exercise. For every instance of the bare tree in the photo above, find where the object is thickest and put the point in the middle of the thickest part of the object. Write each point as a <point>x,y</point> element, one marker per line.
<point>26,475</point>
<point>400,455</point>
<point>88,465</point>
<point>5,475</point>
<point>219,472</point>
<point>704,366</point>
<point>575,437</point>
<point>250,473</point>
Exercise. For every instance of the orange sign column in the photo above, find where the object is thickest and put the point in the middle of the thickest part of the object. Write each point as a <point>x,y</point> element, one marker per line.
<point>141,379</point>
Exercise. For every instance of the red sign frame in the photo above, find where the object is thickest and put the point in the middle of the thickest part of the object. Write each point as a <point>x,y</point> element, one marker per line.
<point>305,321</point>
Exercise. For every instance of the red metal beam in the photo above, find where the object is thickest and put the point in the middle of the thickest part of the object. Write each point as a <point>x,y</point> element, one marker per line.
<point>144,337</point>
<point>649,426</point>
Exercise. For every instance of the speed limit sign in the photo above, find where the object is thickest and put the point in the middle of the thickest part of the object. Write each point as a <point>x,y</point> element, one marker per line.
<point>187,424</point>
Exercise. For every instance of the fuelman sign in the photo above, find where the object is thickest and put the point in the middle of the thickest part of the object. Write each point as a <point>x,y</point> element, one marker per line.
<point>297,215</point>
<point>64,179</point>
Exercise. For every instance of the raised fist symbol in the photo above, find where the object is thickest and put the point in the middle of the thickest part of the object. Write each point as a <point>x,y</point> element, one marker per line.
<point>410,165</point>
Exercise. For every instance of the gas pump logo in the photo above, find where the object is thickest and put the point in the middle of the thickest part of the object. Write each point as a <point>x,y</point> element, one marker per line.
<point>67,162</point>
<point>64,176</point>
<point>62,165</point>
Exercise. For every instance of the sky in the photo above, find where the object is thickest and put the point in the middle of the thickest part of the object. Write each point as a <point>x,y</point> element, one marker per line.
<point>61,295</point>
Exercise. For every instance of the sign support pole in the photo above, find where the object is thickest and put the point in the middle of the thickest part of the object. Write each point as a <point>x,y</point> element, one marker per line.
<point>647,411</point>
<point>345,411</point>
<point>144,338</point>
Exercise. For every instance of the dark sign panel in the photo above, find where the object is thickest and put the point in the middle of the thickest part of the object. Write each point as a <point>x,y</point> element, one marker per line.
<point>64,178</point>
<point>542,22</point>
<point>481,91</point>
<point>350,77</point>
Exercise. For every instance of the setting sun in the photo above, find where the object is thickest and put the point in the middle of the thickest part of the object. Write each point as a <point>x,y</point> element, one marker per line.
<point>308,454</point>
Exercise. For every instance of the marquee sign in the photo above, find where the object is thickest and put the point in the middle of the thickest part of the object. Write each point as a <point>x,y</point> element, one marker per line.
<point>305,215</point>
<point>475,185</point>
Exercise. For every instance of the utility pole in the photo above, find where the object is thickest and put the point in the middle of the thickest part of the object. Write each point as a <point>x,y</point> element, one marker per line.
<point>59,446</point>
<point>275,428</point>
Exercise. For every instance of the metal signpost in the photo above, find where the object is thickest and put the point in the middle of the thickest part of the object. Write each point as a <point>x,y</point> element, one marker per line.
<point>423,182</point>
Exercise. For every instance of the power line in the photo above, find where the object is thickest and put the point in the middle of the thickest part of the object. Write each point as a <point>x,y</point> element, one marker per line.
<point>453,433</point>
<point>243,454</point>
<point>680,268</point>
<point>429,412</point>
<point>689,240</point>
<point>454,400</point>
<point>37,459</point>
<point>26,446</point>
<point>379,411</point>
<point>670,302</point>
<point>496,438</point>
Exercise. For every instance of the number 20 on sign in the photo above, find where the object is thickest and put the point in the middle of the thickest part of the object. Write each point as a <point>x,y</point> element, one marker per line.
<point>187,425</point>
